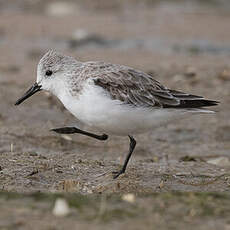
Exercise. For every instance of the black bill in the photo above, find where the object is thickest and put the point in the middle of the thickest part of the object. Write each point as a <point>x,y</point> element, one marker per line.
<point>34,89</point>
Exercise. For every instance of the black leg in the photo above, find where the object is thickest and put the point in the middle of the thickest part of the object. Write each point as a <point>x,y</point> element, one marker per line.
<point>71,130</point>
<point>131,148</point>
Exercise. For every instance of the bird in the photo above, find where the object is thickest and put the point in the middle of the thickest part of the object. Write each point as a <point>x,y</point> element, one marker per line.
<point>113,99</point>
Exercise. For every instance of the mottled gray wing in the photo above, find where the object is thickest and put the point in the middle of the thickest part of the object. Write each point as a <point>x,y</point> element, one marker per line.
<point>135,88</point>
<point>139,89</point>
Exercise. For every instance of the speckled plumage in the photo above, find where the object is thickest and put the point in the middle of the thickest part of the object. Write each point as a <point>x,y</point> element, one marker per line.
<point>122,83</point>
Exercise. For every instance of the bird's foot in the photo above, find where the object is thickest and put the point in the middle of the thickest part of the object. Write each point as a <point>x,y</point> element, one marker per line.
<point>116,174</point>
<point>103,137</point>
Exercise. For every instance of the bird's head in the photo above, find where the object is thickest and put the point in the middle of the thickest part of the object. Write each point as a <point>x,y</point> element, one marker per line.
<point>52,72</point>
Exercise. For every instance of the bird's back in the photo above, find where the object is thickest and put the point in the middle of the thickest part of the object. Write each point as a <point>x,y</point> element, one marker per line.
<point>139,89</point>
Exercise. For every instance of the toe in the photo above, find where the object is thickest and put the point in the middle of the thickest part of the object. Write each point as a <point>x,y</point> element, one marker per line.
<point>117,174</point>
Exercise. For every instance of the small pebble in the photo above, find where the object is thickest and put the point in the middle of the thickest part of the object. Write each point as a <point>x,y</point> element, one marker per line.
<point>129,197</point>
<point>61,208</point>
<point>161,185</point>
<point>11,147</point>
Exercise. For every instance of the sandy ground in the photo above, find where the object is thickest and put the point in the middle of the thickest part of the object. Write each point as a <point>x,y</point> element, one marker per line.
<point>187,45</point>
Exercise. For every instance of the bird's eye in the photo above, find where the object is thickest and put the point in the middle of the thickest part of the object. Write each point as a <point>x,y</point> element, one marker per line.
<point>49,72</point>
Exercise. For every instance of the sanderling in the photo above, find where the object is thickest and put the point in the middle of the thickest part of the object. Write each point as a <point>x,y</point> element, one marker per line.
<point>114,99</point>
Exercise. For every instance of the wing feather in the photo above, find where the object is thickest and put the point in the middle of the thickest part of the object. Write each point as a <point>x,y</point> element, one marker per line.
<point>140,89</point>
<point>135,88</point>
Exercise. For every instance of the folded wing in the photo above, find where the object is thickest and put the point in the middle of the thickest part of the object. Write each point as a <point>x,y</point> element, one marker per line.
<point>139,89</point>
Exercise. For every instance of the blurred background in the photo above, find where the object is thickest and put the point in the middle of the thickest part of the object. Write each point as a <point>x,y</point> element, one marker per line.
<point>186,44</point>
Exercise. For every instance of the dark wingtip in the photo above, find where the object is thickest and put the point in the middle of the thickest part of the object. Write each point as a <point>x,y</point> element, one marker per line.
<point>211,103</point>
<point>197,103</point>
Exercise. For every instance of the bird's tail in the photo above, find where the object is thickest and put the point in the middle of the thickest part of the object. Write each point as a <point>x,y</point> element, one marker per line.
<point>189,101</point>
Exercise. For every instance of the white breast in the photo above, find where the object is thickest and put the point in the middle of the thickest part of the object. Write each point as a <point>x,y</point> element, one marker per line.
<point>95,108</point>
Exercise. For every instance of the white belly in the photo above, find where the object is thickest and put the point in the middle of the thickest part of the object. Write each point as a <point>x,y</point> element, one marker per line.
<point>95,108</point>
